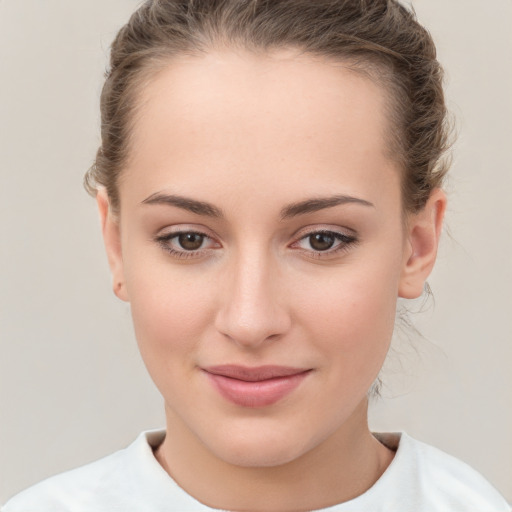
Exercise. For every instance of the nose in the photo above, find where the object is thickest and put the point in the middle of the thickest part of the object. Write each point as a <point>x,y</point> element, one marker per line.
<point>252,310</point>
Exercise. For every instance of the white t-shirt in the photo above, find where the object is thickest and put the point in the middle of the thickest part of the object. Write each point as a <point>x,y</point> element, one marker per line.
<point>419,479</point>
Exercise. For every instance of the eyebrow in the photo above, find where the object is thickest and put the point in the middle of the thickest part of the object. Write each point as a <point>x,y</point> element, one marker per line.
<point>316,204</point>
<point>191,205</point>
<point>292,210</point>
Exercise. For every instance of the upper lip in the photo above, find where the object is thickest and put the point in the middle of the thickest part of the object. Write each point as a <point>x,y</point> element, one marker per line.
<point>254,373</point>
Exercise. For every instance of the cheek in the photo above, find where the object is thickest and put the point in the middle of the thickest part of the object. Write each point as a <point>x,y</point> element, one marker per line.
<point>356,333</point>
<point>351,316</point>
<point>170,309</point>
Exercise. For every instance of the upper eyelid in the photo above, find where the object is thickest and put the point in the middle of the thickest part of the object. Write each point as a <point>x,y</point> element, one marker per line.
<point>304,231</point>
<point>308,230</point>
<point>173,234</point>
<point>298,235</point>
<point>167,234</point>
<point>338,235</point>
<point>164,240</point>
<point>184,228</point>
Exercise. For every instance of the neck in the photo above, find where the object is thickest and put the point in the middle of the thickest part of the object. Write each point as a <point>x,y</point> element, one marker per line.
<point>342,467</point>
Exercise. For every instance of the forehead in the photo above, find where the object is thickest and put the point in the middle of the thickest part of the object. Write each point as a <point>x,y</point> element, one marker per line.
<point>254,118</point>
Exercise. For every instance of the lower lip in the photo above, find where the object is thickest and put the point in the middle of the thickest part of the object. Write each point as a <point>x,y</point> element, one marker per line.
<point>256,394</point>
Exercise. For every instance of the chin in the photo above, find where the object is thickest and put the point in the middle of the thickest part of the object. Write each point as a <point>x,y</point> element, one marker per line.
<point>261,448</point>
<point>258,456</point>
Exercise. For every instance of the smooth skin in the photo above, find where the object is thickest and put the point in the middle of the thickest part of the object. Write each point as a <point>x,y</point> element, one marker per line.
<point>263,282</point>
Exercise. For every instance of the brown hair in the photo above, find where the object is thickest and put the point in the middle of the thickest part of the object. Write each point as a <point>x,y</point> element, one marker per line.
<point>378,37</point>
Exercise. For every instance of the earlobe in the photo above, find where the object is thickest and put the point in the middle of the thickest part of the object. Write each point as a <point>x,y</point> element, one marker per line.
<point>112,240</point>
<point>424,231</point>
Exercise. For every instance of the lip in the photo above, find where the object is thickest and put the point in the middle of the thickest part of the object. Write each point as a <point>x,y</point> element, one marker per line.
<point>255,386</point>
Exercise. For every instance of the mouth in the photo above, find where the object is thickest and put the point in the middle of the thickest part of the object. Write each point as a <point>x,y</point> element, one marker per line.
<point>255,386</point>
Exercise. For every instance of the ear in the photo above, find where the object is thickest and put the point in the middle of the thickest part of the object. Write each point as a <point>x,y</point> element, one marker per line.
<point>423,232</point>
<point>112,238</point>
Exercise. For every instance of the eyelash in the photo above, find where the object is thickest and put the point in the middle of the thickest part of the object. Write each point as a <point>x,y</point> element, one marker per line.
<point>164,241</point>
<point>344,244</point>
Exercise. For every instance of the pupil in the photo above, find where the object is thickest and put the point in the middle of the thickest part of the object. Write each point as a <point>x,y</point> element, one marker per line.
<point>190,241</point>
<point>321,241</point>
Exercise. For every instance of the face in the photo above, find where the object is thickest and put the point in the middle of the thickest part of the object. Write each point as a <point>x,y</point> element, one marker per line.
<point>261,245</point>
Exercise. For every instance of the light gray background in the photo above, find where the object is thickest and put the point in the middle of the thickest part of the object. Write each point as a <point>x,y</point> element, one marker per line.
<point>72,385</point>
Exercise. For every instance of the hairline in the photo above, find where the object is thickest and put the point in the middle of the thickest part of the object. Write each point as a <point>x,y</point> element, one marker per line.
<point>367,65</point>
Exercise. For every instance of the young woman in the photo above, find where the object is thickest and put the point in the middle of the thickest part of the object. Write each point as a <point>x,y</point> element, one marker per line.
<point>269,184</point>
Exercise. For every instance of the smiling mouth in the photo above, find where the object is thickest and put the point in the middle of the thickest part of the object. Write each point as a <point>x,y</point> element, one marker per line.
<point>255,386</point>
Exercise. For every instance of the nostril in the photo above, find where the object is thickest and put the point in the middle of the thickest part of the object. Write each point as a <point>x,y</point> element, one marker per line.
<point>251,310</point>
<point>253,330</point>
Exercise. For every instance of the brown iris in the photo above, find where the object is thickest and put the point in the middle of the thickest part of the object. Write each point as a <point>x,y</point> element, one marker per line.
<point>321,241</point>
<point>190,241</point>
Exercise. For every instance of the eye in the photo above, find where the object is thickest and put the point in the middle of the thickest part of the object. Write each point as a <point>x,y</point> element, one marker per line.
<point>190,241</point>
<point>185,244</point>
<point>321,241</point>
<point>325,242</point>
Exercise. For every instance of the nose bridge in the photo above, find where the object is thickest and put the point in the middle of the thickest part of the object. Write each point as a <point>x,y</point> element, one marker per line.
<point>251,311</point>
